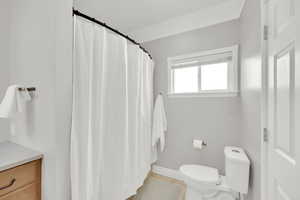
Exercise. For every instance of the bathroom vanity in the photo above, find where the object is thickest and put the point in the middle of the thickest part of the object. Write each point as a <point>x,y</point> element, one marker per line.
<point>20,172</point>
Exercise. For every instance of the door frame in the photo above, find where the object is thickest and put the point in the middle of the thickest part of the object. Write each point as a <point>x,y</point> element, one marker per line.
<point>264,101</point>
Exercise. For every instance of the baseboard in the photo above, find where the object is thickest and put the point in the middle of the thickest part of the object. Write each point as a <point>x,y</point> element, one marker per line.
<point>171,173</point>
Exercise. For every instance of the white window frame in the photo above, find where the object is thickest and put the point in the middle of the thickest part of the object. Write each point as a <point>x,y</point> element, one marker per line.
<point>233,79</point>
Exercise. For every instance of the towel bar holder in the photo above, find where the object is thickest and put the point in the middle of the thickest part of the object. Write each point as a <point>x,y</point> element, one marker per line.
<point>30,89</point>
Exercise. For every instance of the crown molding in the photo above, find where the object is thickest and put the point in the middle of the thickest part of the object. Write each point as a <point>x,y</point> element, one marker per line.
<point>220,13</point>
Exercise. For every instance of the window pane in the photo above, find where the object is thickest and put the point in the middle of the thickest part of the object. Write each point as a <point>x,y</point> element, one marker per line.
<point>214,76</point>
<point>185,80</point>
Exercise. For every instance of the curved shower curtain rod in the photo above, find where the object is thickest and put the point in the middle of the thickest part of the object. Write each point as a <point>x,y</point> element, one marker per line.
<point>78,13</point>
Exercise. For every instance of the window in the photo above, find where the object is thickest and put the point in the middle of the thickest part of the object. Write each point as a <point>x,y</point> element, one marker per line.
<point>210,73</point>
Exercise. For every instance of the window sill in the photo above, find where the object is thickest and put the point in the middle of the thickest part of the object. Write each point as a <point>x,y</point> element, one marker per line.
<point>203,94</point>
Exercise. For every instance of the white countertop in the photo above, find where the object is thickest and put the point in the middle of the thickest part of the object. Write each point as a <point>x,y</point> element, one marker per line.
<point>12,155</point>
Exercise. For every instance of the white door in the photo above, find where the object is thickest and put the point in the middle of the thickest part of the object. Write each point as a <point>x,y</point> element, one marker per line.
<point>283,171</point>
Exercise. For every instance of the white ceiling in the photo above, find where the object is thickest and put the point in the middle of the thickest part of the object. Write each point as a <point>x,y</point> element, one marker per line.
<point>130,15</point>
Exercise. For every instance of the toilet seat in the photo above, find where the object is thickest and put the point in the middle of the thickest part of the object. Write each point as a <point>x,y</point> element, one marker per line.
<point>201,174</point>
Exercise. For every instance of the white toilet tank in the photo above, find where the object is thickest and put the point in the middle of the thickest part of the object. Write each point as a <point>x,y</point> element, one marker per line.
<point>237,166</point>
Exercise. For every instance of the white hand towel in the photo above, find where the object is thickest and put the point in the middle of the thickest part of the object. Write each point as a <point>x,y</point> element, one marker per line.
<point>13,101</point>
<point>159,123</point>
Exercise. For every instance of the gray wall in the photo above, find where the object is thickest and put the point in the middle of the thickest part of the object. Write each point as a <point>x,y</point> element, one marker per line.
<point>41,56</point>
<point>215,120</point>
<point>219,121</point>
<point>251,90</point>
<point>4,63</point>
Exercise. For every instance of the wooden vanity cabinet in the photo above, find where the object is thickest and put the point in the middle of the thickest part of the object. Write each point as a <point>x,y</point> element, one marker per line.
<point>22,182</point>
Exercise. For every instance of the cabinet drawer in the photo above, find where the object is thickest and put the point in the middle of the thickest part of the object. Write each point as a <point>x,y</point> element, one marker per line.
<point>15,178</point>
<point>29,192</point>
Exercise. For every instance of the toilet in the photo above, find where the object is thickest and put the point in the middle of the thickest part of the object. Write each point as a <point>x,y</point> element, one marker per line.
<point>205,183</point>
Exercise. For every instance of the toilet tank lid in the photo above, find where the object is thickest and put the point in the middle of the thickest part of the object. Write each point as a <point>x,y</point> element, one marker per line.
<point>236,154</point>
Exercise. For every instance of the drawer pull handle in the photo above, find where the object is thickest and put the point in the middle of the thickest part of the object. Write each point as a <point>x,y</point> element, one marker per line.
<point>9,185</point>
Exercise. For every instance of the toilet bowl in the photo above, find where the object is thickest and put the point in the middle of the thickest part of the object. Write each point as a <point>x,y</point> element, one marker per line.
<point>205,183</point>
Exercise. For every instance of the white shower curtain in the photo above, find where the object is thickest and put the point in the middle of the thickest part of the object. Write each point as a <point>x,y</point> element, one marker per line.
<point>112,114</point>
